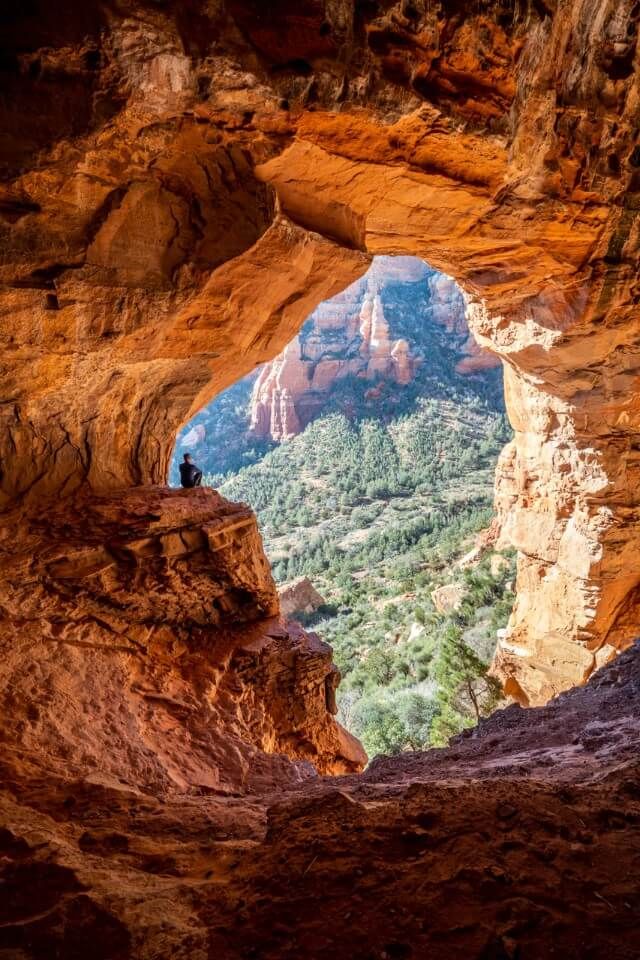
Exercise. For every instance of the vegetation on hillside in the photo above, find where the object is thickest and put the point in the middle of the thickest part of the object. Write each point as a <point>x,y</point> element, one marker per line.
<point>377,515</point>
<point>379,501</point>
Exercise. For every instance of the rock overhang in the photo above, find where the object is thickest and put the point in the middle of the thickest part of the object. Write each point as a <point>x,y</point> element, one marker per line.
<point>198,181</point>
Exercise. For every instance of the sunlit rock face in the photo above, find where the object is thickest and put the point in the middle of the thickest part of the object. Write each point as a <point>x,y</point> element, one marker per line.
<point>352,335</point>
<point>347,336</point>
<point>181,191</point>
<point>182,184</point>
<point>194,185</point>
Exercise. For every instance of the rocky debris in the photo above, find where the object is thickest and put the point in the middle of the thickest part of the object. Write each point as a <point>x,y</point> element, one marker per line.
<point>299,596</point>
<point>448,597</point>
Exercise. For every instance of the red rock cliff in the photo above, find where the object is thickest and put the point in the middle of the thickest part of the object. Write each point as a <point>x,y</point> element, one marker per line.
<point>180,192</point>
<point>350,336</point>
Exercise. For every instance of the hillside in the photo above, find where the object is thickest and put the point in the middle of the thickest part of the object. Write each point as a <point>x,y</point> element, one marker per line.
<point>380,500</point>
<point>393,337</point>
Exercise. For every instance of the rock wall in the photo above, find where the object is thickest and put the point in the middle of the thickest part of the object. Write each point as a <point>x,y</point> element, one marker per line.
<point>188,186</point>
<point>351,335</point>
<point>142,643</point>
<point>182,184</point>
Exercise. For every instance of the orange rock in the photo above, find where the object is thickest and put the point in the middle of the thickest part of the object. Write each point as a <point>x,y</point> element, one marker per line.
<point>165,600</point>
<point>179,191</point>
<point>349,336</point>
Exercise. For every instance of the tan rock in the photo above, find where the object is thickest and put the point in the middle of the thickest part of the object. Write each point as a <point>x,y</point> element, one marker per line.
<point>299,596</point>
<point>497,564</point>
<point>448,597</point>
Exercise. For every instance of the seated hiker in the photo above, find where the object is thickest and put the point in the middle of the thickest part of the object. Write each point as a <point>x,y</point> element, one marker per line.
<point>190,476</point>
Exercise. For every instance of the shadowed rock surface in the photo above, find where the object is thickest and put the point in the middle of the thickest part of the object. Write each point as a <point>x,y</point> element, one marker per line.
<point>520,840</point>
<point>181,185</point>
<point>142,643</point>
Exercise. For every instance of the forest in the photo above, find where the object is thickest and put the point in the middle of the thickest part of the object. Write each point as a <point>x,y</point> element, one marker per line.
<point>381,503</point>
<point>378,516</point>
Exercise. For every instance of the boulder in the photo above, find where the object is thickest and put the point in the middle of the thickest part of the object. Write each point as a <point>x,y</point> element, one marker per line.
<point>299,596</point>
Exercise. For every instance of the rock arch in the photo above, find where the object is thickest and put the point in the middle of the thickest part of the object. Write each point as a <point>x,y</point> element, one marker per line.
<point>181,183</point>
<point>181,228</point>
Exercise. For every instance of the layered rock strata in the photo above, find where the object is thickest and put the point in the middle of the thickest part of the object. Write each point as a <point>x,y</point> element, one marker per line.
<point>142,643</point>
<point>180,190</point>
<point>181,186</point>
<point>350,336</point>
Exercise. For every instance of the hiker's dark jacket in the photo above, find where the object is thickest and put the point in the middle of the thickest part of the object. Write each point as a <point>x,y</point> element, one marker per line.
<point>190,476</point>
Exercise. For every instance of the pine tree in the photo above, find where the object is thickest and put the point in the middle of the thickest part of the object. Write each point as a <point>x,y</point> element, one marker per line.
<point>465,690</point>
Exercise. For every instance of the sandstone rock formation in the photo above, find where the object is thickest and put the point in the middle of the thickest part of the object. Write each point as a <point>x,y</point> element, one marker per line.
<point>521,840</point>
<point>348,336</point>
<point>181,185</point>
<point>187,188</point>
<point>153,653</point>
<point>351,336</point>
<point>180,191</point>
<point>299,596</point>
<point>448,597</point>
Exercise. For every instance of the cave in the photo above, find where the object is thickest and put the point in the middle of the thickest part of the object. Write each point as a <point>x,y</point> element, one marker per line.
<point>181,185</point>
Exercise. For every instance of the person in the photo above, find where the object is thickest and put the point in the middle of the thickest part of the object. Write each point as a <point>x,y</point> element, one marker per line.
<point>190,476</point>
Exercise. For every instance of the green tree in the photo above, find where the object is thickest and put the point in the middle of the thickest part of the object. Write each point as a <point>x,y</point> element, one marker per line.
<point>465,690</point>
<point>378,725</point>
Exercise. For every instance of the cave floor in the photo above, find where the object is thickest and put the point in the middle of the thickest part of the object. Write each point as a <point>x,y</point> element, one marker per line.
<point>521,840</point>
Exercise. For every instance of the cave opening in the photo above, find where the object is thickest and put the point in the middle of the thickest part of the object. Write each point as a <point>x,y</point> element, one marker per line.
<point>367,449</point>
<point>182,184</point>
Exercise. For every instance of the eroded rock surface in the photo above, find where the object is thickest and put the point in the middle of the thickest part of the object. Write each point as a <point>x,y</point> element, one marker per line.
<point>181,188</point>
<point>520,840</point>
<point>352,336</point>
<point>181,185</point>
<point>299,596</point>
<point>142,643</point>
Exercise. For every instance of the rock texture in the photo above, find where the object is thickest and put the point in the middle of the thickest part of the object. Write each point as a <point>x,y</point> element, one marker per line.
<point>347,336</point>
<point>448,597</point>
<point>299,596</point>
<point>181,188</point>
<point>521,840</point>
<point>351,336</point>
<point>181,185</point>
<point>142,642</point>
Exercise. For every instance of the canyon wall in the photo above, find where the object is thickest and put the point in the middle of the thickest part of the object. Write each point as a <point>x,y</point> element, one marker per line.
<point>180,190</point>
<point>352,336</point>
